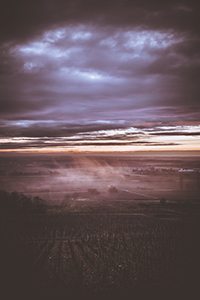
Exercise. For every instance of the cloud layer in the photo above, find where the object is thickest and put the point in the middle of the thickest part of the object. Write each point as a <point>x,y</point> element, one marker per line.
<point>71,68</point>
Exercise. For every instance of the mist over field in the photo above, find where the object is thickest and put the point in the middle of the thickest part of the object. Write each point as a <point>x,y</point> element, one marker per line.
<point>135,177</point>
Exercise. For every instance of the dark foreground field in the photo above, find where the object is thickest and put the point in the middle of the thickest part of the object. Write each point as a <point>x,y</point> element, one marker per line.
<point>103,231</point>
<point>152,251</point>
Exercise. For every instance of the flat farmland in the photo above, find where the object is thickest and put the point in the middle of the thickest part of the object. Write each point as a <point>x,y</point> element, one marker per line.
<point>148,248</point>
<point>99,226</point>
<point>53,177</point>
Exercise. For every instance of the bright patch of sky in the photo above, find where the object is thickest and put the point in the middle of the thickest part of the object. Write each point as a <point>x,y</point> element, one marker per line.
<point>81,35</point>
<point>27,123</point>
<point>187,142</point>
<point>53,36</point>
<point>74,43</point>
<point>88,75</point>
<point>17,140</point>
<point>139,40</point>
<point>110,133</point>
<point>110,42</point>
<point>183,129</point>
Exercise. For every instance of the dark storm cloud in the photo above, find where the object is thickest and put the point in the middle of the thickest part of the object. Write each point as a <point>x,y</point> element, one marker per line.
<point>81,67</point>
<point>83,70</point>
<point>41,144</point>
<point>22,19</point>
<point>51,129</point>
<point>177,133</point>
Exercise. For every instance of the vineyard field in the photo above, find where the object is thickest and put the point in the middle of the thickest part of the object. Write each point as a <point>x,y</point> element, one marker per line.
<point>57,255</point>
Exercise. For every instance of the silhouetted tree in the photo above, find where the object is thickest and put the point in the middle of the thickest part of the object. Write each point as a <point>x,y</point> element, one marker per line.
<point>18,202</point>
<point>38,204</point>
<point>93,192</point>
<point>112,189</point>
<point>162,201</point>
<point>4,201</point>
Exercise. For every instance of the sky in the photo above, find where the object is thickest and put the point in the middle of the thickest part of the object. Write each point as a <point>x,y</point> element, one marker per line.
<point>87,75</point>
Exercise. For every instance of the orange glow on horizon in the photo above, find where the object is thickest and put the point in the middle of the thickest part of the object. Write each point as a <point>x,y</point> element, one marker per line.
<point>105,149</point>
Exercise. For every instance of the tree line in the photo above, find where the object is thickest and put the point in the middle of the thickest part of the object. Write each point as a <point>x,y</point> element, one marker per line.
<point>16,202</point>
